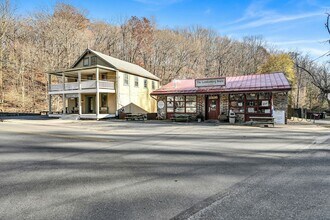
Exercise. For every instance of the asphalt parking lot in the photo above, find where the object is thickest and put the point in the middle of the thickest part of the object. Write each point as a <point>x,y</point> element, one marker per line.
<point>54,169</point>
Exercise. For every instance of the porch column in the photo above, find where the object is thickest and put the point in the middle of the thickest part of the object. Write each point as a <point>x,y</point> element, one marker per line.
<point>63,94</point>
<point>97,94</point>
<point>49,96</point>
<point>49,104</point>
<point>117,93</point>
<point>79,94</point>
<point>64,103</point>
<point>63,81</point>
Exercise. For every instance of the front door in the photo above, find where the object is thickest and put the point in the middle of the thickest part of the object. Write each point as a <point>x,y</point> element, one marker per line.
<point>212,107</point>
<point>90,101</point>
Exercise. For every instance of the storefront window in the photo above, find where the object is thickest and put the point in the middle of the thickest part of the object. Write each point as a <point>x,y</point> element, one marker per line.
<point>251,96</point>
<point>191,104</point>
<point>255,103</point>
<point>179,98</point>
<point>264,95</point>
<point>181,104</point>
<point>170,103</point>
<point>237,102</point>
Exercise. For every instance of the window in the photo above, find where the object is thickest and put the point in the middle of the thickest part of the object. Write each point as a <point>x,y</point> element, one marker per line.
<point>251,96</point>
<point>93,60</point>
<point>90,77</point>
<point>126,79</point>
<point>153,85</point>
<point>170,104</point>
<point>86,61</point>
<point>104,76</point>
<point>237,103</point>
<point>136,81</point>
<point>191,104</point>
<point>181,104</point>
<point>145,83</point>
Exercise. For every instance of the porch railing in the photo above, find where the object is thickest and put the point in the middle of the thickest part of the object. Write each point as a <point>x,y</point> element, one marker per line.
<point>106,85</point>
<point>56,87</point>
<point>89,84</point>
<point>71,86</point>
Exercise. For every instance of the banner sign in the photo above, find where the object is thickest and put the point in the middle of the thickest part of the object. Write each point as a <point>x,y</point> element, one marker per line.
<point>210,82</point>
<point>279,117</point>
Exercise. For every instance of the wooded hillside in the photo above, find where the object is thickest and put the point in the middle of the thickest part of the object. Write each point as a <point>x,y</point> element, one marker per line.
<point>49,40</point>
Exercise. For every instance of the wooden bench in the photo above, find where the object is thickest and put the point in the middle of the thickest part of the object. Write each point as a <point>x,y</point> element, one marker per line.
<point>181,118</point>
<point>262,120</point>
<point>134,117</point>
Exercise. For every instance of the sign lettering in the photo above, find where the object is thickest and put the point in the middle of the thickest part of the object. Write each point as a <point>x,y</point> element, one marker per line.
<point>210,82</point>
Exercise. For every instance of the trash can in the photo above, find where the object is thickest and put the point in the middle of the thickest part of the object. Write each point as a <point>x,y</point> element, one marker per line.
<point>232,117</point>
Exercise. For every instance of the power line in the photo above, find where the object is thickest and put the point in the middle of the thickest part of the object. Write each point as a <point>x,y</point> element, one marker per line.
<point>325,54</point>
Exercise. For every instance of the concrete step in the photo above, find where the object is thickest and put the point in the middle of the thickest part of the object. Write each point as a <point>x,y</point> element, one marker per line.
<point>70,117</point>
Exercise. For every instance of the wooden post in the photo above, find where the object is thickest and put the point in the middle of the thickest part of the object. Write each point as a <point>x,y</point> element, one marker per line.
<point>97,94</point>
<point>79,93</point>
<point>63,94</point>
<point>64,103</point>
<point>117,92</point>
<point>49,104</point>
<point>49,96</point>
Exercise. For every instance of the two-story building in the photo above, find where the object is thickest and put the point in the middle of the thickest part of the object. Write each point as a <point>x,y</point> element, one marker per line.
<point>99,86</point>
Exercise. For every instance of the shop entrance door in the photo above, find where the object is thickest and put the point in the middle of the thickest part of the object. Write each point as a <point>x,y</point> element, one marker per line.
<point>90,101</point>
<point>212,107</point>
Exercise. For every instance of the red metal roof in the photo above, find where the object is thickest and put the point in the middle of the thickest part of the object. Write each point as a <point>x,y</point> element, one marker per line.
<point>257,82</point>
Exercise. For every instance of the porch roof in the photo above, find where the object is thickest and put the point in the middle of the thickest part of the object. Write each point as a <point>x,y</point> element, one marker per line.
<point>72,70</point>
<point>256,82</point>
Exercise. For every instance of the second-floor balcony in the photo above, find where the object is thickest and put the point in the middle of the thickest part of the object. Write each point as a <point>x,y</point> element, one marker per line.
<point>89,84</point>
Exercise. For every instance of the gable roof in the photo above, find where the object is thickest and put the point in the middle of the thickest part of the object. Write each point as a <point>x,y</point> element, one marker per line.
<point>256,82</point>
<point>120,65</point>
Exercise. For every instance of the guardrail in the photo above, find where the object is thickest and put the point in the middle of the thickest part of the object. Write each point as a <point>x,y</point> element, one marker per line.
<point>89,84</point>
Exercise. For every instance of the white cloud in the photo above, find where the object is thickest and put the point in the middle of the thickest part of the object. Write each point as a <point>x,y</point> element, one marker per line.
<point>295,42</point>
<point>255,10</point>
<point>314,51</point>
<point>257,14</point>
<point>276,18</point>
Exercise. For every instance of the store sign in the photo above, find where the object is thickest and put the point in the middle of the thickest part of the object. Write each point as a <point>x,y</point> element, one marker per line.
<point>161,104</point>
<point>279,117</point>
<point>264,103</point>
<point>210,82</point>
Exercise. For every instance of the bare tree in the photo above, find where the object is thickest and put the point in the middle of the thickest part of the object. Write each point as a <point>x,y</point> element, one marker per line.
<point>31,45</point>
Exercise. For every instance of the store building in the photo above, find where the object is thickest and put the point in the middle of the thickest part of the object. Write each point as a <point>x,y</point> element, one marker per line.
<point>99,86</point>
<point>213,98</point>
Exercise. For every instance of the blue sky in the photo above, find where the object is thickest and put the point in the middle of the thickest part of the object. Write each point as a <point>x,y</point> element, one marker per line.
<point>287,24</point>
